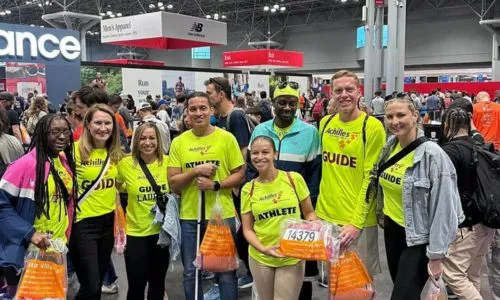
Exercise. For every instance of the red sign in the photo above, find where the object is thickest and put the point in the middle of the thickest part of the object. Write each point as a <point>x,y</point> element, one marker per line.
<point>263,58</point>
<point>138,62</point>
<point>379,2</point>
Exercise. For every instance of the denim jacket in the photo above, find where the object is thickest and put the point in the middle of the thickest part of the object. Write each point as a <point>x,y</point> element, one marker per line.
<point>431,202</point>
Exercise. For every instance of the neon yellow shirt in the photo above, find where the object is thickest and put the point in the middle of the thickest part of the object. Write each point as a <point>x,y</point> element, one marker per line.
<point>141,196</point>
<point>272,204</point>
<point>281,132</point>
<point>102,200</point>
<point>58,221</point>
<point>188,151</point>
<point>346,166</point>
<point>391,181</point>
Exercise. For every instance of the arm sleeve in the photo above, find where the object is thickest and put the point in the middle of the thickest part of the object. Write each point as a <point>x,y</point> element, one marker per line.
<point>173,156</point>
<point>235,159</point>
<point>239,128</point>
<point>445,207</point>
<point>14,228</point>
<point>375,140</point>
<point>300,186</point>
<point>313,167</point>
<point>246,207</point>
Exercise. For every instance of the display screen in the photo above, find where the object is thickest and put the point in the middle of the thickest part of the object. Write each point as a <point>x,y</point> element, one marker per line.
<point>361,38</point>
<point>200,53</point>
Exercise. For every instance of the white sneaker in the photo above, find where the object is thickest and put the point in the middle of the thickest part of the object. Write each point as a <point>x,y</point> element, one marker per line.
<point>110,289</point>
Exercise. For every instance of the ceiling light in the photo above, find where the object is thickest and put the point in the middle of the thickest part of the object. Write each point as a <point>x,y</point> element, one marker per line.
<point>152,6</point>
<point>343,1</point>
<point>28,2</point>
<point>109,13</point>
<point>170,6</point>
<point>2,13</point>
<point>223,17</point>
<point>266,8</point>
<point>208,16</point>
<point>119,14</point>
<point>112,16</point>
<point>47,2</point>
<point>32,25</point>
<point>42,26</point>
<point>160,4</point>
<point>162,7</point>
<point>216,16</point>
<point>276,6</point>
<point>8,12</point>
<point>273,10</point>
<point>102,14</point>
<point>40,4</point>
<point>283,8</point>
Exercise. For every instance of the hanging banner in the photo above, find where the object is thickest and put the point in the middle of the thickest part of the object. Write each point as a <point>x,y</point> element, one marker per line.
<point>263,58</point>
<point>141,82</point>
<point>163,30</point>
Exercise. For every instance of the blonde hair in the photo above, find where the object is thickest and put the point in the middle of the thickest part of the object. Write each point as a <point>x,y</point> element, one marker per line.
<point>136,150</point>
<point>113,144</point>
<point>346,73</point>
<point>412,106</point>
<point>38,104</point>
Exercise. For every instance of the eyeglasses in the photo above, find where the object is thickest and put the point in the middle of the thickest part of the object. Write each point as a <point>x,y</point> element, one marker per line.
<point>283,84</point>
<point>57,133</point>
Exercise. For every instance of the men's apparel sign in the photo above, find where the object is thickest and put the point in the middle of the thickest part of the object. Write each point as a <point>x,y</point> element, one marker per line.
<point>263,58</point>
<point>163,30</point>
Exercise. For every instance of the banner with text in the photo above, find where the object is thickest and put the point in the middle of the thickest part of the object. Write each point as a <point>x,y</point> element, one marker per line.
<point>263,58</point>
<point>163,30</point>
<point>141,82</point>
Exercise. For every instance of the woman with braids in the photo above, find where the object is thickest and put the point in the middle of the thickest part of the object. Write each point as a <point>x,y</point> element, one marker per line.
<point>462,266</point>
<point>37,196</point>
<point>96,154</point>
<point>417,201</point>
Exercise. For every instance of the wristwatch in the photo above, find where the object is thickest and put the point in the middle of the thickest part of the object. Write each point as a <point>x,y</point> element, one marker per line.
<point>216,186</point>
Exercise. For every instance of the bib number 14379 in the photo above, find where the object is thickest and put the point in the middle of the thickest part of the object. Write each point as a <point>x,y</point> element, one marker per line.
<point>302,235</point>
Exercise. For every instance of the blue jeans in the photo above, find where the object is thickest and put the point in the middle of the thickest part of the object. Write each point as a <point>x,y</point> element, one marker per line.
<point>110,275</point>
<point>228,282</point>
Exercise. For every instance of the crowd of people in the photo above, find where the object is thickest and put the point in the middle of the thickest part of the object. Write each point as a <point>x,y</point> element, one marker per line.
<point>264,165</point>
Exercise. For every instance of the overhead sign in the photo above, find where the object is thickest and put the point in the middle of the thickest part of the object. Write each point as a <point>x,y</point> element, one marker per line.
<point>18,42</point>
<point>163,30</point>
<point>263,58</point>
<point>379,2</point>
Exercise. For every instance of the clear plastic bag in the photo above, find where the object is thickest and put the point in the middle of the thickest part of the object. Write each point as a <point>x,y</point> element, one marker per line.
<point>349,279</point>
<point>434,289</point>
<point>308,240</point>
<point>120,230</point>
<point>44,275</point>
<point>217,250</point>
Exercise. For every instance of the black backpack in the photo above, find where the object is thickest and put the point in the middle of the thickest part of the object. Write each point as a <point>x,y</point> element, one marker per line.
<point>486,195</point>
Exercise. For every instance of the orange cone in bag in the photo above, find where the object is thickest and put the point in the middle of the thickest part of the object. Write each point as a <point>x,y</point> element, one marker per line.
<point>349,279</point>
<point>217,250</point>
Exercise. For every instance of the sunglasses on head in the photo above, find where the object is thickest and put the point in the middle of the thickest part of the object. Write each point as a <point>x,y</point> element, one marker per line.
<point>216,82</point>
<point>292,84</point>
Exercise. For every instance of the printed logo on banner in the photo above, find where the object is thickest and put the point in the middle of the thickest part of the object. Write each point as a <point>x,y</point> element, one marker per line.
<point>196,30</point>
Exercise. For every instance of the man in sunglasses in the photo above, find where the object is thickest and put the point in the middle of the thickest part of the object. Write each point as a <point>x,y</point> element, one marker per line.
<point>351,143</point>
<point>219,91</point>
<point>298,149</point>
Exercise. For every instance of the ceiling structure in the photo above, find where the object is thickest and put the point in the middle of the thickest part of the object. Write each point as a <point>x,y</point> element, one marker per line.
<point>253,17</point>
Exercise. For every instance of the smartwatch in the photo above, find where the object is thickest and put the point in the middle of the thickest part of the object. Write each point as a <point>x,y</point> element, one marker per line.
<point>216,186</point>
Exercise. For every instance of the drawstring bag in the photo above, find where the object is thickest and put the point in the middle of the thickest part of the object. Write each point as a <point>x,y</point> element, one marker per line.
<point>44,275</point>
<point>307,240</point>
<point>434,289</point>
<point>120,233</point>
<point>349,279</point>
<point>217,250</point>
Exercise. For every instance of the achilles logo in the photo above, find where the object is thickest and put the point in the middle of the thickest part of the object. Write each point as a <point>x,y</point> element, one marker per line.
<point>69,47</point>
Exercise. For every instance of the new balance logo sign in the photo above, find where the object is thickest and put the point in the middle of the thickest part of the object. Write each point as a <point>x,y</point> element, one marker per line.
<point>196,30</point>
<point>197,27</point>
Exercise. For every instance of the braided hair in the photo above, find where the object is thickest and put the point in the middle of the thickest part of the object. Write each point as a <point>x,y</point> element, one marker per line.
<point>39,142</point>
<point>453,120</point>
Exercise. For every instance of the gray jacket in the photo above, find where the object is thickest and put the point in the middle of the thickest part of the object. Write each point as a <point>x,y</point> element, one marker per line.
<point>431,201</point>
